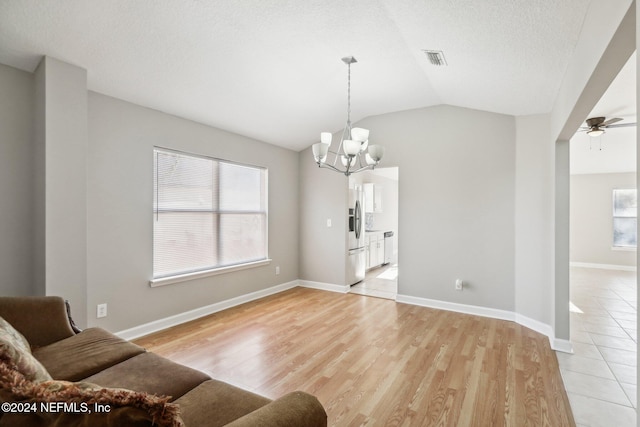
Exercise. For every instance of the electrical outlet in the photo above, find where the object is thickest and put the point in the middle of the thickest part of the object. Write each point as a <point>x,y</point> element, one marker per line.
<point>458,284</point>
<point>277,269</point>
<point>102,310</point>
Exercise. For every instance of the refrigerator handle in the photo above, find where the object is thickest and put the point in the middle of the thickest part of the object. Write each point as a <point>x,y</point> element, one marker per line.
<point>357,219</point>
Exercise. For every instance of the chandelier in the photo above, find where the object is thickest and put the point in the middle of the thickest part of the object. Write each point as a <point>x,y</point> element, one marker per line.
<point>354,151</point>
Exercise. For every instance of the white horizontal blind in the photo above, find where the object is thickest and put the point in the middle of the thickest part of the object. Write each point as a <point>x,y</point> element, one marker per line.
<point>208,213</point>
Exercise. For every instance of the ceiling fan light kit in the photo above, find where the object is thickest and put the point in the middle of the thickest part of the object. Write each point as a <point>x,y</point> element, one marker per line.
<point>354,151</point>
<point>596,125</point>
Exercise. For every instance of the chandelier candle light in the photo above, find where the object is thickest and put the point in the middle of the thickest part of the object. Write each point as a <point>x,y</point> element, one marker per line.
<point>357,155</point>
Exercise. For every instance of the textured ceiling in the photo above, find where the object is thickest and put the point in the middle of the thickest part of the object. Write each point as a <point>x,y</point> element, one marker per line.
<point>271,70</point>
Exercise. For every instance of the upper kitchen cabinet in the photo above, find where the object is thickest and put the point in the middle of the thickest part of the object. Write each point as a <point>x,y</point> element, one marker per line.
<point>372,198</point>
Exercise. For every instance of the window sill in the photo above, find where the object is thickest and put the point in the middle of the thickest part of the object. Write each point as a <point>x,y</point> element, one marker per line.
<point>623,248</point>
<point>200,274</point>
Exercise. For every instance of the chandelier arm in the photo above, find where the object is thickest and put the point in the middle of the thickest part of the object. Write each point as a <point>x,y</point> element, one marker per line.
<point>348,170</point>
<point>371,167</point>
<point>328,166</point>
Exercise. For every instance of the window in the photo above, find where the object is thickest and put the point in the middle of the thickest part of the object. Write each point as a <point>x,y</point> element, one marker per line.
<point>208,214</point>
<point>625,221</point>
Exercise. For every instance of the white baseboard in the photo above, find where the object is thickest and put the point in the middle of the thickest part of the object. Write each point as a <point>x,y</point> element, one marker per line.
<point>536,325</point>
<point>459,308</point>
<point>167,322</point>
<point>557,344</point>
<point>604,266</point>
<point>562,345</point>
<point>343,289</point>
<point>542,328</point>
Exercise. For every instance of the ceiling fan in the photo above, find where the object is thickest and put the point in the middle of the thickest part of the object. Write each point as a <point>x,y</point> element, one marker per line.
<point>597,125</point>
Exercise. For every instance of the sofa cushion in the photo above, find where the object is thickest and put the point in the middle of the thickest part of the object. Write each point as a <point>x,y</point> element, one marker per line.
<point>14,349</point>
<point>42,320</point>
<point>84,354</point>
<point>215,403</point>
<point>75,404</point>
<point>293,409</point>
<point>150,373</point>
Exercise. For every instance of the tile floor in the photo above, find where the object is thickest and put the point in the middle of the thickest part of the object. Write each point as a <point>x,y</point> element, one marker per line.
<point>381,282</point>
<point>600,377</point>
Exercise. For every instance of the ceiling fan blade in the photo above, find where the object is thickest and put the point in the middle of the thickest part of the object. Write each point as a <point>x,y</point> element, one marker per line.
<point>610,121</point>
<point>622,125</point>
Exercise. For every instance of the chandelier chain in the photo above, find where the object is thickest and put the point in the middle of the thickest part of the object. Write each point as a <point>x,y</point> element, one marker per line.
<point>349,99</point>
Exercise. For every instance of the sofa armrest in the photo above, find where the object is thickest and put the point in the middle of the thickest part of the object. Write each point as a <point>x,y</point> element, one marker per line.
<point>42,320</point>
<point>296,409</point>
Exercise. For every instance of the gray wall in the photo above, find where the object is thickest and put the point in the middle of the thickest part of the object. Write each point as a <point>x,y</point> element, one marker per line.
<point>456,203</point>
<point>120,182</point>
<point>591,237</point>
<point>535,240</point>
<point>323,195</point>
<point>562,292</point>
<point>637,181</point>
<point>60,248</point>
<point>456,209</point>
<point>119,206</point>
<point>16,200</point>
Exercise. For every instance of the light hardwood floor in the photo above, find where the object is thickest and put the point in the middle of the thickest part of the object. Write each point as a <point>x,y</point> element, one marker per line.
<point>372,361</point>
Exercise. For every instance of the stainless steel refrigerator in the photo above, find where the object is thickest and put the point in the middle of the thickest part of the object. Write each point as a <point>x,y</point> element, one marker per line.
<point>356,250</point>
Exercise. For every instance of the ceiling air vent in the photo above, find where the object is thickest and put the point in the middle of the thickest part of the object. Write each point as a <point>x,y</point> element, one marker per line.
<point>436,57</point>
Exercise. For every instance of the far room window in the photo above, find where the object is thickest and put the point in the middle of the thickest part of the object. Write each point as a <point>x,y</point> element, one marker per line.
<point>625,221</point>
<point>208,214</point>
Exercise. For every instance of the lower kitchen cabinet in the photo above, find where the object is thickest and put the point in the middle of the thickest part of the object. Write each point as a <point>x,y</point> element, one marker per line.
<point>374,244</point>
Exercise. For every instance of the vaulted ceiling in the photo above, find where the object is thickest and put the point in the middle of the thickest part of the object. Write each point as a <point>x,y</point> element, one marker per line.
<point>271,70</point>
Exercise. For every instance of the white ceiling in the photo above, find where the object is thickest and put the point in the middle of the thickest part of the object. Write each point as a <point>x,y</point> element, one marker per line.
<point>615,150</point>
<point>271,69</point>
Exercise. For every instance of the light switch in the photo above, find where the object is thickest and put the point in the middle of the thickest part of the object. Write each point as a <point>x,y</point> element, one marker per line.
<point>329,222</point>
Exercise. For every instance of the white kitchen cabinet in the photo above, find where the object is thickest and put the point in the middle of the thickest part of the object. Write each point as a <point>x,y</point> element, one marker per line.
<point>367,248</point>
<point>380,250</point>
<point>375,249</point>
<point>372,197</point>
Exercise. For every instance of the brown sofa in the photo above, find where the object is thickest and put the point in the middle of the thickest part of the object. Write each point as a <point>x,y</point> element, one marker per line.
<point>95,378</point>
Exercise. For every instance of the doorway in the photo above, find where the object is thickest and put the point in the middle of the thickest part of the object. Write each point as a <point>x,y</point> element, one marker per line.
<point>380,187</point>
<point>602,255</point>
